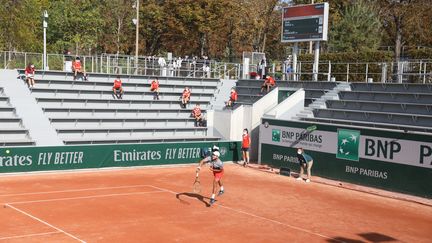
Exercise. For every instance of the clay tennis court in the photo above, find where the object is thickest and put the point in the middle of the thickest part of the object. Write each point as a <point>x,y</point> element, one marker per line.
<point>156,204</point>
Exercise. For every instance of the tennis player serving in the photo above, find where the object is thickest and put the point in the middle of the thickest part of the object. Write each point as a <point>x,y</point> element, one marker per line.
<point>216,166</point>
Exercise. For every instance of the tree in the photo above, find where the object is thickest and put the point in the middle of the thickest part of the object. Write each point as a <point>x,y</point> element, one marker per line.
<point>359,29</point>
<point>117,25</point>
<point>75,24</point>
<point>21,25</point>
<point>153,21</point>
<point>406,21</point>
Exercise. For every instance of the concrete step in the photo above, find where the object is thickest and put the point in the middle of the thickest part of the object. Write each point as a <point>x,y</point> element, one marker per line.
<point>300,115</point>
<point>331,97</point>
<point>343,87</point>
<point>316,106</point>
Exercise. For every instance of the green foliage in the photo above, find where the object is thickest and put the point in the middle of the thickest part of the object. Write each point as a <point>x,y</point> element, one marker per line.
<point>366,56</point>
<point>422,53</point>
<point>221,29</point>
<point>359,29</point>
<point>74,24</point>
<point>21,25</point>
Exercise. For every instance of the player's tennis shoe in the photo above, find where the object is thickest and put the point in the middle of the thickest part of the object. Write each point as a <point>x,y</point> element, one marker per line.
<point>212,201</point>
<point>299,178</point>
<point>221,192</point>
<point>307,180</point>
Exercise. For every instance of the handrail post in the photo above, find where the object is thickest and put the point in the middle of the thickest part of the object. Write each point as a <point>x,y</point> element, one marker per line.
<point>347,74</point>
<point>367,71</point>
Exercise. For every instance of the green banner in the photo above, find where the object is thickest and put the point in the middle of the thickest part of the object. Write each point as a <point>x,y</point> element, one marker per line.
<point>348,144</point>
<point>26,159</point>
<point>388,160</point>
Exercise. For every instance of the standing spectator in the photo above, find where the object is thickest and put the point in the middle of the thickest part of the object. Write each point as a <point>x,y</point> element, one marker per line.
<point>179,62</point>
<point>262,67</point>
<point>77,68</point>
<point>29,74</point>
<point>155,89</point>
<point>162,63</point>
<point>197,114</point>
<point>233,98</point>
<point>246,142</point>
<point>185,98</point>
<point>305,162</point>
<point>117,88</point>
<point>289,72</point>
<point>206,70</point>
<point>268,83</point>
<point>288,68</point>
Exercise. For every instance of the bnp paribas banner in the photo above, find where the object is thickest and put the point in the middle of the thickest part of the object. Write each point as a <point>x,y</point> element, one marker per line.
<point>25,159</point>
<point>390,160</point>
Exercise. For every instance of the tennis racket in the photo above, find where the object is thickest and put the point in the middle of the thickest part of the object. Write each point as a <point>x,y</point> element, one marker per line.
<point>197,184</point>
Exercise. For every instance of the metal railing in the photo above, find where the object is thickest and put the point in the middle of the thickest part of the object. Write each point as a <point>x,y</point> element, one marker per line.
<point>125,65</point>
<point>400,72</point>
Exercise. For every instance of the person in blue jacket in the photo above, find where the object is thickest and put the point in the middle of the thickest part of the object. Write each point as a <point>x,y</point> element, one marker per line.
<point>305,162</point>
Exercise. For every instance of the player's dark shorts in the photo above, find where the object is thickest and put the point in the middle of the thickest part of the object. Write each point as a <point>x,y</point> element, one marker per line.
<point>245,149</point>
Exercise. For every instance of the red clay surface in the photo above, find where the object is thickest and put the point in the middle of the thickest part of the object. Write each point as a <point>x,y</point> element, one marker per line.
<point>157,205</point>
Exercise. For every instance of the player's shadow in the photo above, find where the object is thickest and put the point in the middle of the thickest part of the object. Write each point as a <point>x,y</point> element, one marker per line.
<point>194,195</point>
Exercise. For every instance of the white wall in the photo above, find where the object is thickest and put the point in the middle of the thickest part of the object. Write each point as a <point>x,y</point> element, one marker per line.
<point>264,105</point>
<point>210,123</point>
<point>230,123</point>
<point>221,125</point>
<point>289,107</point>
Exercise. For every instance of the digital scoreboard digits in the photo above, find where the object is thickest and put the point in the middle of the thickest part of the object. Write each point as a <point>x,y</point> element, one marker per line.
<point>305,23</point>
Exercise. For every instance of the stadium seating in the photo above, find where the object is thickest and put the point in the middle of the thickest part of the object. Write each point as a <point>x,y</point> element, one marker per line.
<point>405,107</point>
<point>85,112</point>
<point>392,87</point>
<point>249,89</point>
<point>12,131</point>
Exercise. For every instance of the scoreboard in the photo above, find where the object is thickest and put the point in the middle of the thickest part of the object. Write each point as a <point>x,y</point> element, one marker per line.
<point>305,23</point>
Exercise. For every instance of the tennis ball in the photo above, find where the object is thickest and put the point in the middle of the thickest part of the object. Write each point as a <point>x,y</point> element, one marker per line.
<point>7,151</point>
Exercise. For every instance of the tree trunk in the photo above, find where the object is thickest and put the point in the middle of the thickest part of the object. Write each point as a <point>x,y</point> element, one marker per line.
<point>119,24</point>
<point>398,38</point>
<point>398,47</point>
<point>230,45</point>
<point>203,44</point>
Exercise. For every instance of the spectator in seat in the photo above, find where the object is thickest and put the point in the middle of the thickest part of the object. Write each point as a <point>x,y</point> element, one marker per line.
<point>185,98</point>
<point>29,75</point>
<point>269,82</point>
<point>155,89</point>
<point>77,68</point>
<point>197,114</point>
<point>117,88</point>
<point>233,98</point>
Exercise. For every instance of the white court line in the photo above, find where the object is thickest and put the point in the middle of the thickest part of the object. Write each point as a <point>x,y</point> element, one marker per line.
<point>30,235</point>
<point>45,223</point>
<point>280,223</point>
<point>73,190</point>
<point>86,197</point>
<point>262,218</point>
